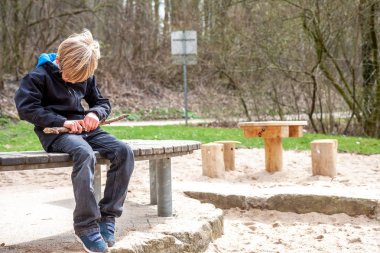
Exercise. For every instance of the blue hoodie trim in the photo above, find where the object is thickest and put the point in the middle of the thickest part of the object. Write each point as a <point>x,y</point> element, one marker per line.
<point>44,58</point>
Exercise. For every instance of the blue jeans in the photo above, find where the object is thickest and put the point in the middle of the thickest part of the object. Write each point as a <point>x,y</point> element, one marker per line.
<point>81,148</point>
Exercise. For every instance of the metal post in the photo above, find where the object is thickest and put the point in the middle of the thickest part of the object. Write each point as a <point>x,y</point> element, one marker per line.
<point>184,72</point>
<point>98,182</point>
<point>164,188</point>
<point>153,181</point>
<point>185,89</point>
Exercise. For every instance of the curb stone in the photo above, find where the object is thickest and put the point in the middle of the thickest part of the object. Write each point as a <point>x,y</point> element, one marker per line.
<point>297,203</point>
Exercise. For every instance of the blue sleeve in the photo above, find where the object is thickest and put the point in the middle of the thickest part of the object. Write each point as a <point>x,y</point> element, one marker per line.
<point>96,102</point>
<point>28,101</point>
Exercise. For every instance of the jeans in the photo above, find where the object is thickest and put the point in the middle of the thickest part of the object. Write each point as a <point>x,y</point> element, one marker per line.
<point>81,147</point>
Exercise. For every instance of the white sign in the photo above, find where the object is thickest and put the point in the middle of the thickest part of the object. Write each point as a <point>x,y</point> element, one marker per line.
<point>184,47</point>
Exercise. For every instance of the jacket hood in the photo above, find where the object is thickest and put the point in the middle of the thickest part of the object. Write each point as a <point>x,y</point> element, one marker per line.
<point>44,58</point>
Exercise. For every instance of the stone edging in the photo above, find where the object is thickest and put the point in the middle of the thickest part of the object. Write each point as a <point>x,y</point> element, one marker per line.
<point>297,203</point>
<point>181,234</point>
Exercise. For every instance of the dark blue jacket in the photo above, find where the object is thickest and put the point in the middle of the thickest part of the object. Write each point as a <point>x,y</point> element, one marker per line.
<point>45,100</point>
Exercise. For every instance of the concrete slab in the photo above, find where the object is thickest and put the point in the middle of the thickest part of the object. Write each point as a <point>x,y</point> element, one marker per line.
<point>39,219</point>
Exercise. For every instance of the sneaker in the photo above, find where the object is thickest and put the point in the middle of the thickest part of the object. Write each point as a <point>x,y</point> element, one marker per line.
<point>107,230</point>
<point>93,242</point>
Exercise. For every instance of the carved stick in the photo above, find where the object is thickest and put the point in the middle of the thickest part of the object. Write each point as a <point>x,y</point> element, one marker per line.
<point>60,130</point>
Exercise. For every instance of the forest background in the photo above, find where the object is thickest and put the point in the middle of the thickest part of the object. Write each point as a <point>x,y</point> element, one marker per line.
<point>257,59</point>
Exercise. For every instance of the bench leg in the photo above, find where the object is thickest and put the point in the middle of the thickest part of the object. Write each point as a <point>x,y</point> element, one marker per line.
<point>164,187</point>
<point>98,182</point>
<point>153,181</point>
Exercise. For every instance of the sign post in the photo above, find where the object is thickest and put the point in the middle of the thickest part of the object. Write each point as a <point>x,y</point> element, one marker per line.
<point>184,52</point>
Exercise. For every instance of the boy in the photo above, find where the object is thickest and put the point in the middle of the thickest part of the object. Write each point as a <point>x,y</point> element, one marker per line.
<point>50,96</point>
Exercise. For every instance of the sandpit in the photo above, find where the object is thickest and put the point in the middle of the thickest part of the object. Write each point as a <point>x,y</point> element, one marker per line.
<point>250,230</point>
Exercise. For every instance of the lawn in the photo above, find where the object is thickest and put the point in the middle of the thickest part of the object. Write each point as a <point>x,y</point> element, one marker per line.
<point>20,137</point>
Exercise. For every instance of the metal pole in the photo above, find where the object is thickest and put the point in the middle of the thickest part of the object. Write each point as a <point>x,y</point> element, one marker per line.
<point>164,188</point>
<point>98,182</point>
<point>153,181</point>
<point>185,90</point>
<point>184,72</point>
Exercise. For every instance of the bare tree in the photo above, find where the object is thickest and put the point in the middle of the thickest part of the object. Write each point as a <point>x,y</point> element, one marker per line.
<point>257,59</point>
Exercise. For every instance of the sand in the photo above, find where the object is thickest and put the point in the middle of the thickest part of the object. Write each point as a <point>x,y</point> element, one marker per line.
<point>245,230</point>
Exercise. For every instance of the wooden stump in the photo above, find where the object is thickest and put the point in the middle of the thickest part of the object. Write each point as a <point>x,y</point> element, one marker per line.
<point>323,157</point>
<point>229,154</point>
<point>273,154</point>
<point>212,160</point>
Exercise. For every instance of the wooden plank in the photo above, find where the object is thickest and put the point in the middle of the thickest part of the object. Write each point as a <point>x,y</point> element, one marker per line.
<point>12,159</point>
<point>177,149</point>
<point>35,166</point>
<point>266,132</point>
<point>157,149</point>
<point>58,157</point>
<point>70,163</point>
<point>145,149</point>
<point>168,150</point>
<point>36,158</point>
<point>152,157</point>
<point>35,153</point>
<point>185,148</point>
<point>136,152</point>
<point>194,146</point>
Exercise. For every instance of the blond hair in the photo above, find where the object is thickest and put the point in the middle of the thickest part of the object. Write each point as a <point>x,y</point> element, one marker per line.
<point>78,56</point>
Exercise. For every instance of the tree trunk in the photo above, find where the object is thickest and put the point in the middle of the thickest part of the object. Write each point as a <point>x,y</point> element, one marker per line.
<point>370,65</point>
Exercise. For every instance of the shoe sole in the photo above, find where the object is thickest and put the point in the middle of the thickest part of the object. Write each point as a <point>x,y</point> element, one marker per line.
<point>111,244</point>
<point>84,246</point>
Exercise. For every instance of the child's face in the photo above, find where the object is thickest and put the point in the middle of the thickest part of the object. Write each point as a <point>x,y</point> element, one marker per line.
<point>65,75</point>
<point>68,79</point>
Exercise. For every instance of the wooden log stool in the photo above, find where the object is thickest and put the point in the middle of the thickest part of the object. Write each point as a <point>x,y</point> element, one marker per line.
<point>212,160</point>
<point>229,154</point>
<point>323,157</point>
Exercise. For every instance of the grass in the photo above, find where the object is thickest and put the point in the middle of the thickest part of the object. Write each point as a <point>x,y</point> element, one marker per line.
<point>20,136</point>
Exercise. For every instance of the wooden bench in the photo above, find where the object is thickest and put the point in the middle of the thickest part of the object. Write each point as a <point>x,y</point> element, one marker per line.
<point>158,153</point>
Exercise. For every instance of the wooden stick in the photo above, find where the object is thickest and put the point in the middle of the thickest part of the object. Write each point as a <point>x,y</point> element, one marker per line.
<point>107,122</point>
<point>60,130</point>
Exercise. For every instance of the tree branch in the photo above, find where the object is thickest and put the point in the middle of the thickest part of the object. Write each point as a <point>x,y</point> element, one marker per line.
<point>60,130</point>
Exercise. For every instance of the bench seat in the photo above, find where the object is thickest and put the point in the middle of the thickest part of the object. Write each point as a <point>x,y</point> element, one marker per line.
<point>158,152</point>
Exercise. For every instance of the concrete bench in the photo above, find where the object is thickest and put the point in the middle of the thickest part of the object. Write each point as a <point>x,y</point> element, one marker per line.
<point>158,153</point>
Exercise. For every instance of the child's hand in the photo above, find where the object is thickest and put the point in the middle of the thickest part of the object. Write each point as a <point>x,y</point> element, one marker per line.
<point>75,126</point>
<point>91,121</point>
